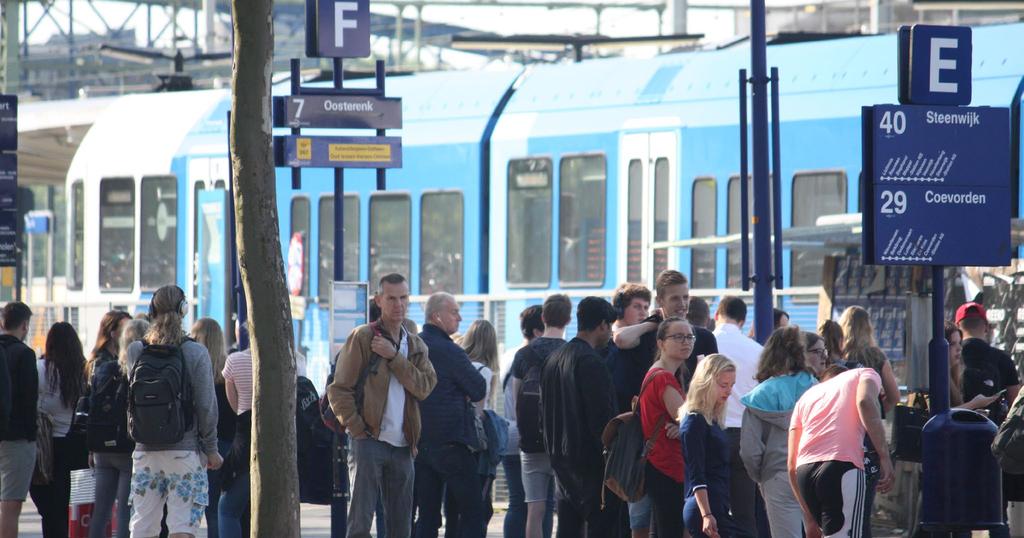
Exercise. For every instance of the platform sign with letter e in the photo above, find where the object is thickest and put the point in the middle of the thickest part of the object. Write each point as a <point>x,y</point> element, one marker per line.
<point>935,65</point>
<point>337,28</point>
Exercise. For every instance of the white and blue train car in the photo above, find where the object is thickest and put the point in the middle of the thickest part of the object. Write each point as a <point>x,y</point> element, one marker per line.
<point>515,184</point>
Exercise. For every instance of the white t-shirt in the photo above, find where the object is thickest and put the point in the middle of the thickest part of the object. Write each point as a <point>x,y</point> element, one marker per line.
<point>238,369</point>
<point>745,353</point>
<point>394,409</point>
<point>487,374</point>
<point>49,401</point>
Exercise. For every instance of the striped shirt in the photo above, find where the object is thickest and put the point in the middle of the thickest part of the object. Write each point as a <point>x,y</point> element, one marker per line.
<point>238,370</point>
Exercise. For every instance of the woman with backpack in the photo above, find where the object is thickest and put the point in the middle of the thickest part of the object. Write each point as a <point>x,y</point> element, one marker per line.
<point>661,397</point>
<point>171,455</point>
<point>706,450</point>
<point>207,332</point>
<point>61,383</point>
<point>112,468</point>
<point>783,375</point>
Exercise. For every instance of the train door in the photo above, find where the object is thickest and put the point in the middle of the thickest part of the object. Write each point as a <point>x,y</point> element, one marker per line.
<point>649,168</point>
<point>210,280</point>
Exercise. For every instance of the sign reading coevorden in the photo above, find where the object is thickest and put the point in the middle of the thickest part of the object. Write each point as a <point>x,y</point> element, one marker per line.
<point>337,112</point>
<point>338,151</point>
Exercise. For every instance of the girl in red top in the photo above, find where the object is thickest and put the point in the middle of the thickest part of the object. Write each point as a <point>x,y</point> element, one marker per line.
<point>660,400</point>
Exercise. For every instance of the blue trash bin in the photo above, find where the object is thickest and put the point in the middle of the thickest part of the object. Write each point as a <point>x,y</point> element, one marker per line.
<point>961,482</point>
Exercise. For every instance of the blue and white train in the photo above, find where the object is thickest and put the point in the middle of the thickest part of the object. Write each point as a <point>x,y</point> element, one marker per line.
<point>552,177</point>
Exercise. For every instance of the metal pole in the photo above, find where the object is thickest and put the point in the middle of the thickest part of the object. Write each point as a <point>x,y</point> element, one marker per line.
<point>938,348</point>
<point>12,71</point>
<point>744,188</point>
<point>762,233</point>
<point>382,173</point>
<point>776,183</point>
<point>339,463</point>
<point>296,83</point>
<point>50,231</point>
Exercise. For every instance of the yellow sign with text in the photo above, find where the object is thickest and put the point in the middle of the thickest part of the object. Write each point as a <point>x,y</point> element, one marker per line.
<point>304,149</point>
<point>372,153</point>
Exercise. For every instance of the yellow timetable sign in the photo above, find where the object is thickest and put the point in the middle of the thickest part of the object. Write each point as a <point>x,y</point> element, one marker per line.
<point>304,149</point>
<point>359,152</point>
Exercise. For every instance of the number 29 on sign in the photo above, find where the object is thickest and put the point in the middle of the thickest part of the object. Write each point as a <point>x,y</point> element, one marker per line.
<point>894,202</point>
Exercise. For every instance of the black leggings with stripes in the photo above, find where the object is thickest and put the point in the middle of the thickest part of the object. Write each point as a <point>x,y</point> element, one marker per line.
<point>834,493</point>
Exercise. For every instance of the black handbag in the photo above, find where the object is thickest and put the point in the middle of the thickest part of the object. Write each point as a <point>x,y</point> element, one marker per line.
<point>907,423</point>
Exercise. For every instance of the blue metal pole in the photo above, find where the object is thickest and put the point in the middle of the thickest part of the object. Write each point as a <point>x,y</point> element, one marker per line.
<point>776,184</point>
<point>339,493</point>
<point>938,348</point>
<point>744,188</point>
<point>762,193</point>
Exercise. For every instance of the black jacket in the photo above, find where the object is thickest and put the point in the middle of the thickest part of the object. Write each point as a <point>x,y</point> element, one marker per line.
<point>21,365</point>
<point>447,414</point>
<point>577,400</point>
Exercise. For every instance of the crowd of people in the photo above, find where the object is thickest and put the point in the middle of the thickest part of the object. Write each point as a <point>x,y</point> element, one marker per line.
<point>783,440</point>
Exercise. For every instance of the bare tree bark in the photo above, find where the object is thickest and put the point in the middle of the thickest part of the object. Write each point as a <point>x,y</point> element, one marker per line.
<point>275,483</point>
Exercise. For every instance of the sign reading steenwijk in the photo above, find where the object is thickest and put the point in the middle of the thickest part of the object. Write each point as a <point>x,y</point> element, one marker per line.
<point>338,112</point>
<point>937,185</point>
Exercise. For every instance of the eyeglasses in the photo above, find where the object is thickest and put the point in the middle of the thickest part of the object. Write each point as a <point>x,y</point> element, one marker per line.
<point>681,338</point>
<point>819,352</point>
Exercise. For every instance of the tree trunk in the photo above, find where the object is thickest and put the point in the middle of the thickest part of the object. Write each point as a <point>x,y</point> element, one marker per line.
<point>275,486</point>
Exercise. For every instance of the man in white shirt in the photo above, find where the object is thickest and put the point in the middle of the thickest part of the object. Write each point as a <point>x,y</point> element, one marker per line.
<point>745,353</point>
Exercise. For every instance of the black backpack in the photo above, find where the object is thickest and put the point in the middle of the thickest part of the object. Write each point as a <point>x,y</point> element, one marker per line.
<point>106,424</point>
<point>1008,446</point>
<point>159,396</point>
<point>313,445</point>
<point>528,410</point>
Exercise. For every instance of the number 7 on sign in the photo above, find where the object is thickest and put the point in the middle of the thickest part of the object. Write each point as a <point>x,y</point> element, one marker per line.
<point>341,23</point>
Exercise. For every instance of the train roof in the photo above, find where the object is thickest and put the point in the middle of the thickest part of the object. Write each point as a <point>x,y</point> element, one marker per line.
<point>819,80</point>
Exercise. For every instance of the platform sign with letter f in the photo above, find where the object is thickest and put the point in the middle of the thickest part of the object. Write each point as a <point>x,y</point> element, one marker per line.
<point>938,65</point>
<point>338,28</point>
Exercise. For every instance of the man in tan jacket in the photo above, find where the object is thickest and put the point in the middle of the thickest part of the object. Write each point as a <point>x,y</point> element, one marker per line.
<point>382,416</point>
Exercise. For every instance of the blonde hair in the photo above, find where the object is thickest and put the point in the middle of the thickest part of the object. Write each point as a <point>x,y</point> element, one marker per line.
<point>703,395</point>
<point>481,344</point>
<point>133,331</point>
<point>207,332</point>
<point>857,331</point>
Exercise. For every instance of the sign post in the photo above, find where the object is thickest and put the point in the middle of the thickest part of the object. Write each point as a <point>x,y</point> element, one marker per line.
<point>936,192</point>
<point>338,29</point>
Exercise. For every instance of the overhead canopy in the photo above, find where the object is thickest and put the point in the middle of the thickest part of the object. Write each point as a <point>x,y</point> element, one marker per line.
<point>49,133</point>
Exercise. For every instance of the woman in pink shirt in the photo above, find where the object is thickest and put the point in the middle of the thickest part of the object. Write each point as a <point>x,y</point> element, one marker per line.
<point>826,452</point>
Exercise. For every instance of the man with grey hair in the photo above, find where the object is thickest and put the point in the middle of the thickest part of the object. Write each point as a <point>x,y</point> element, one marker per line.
<point>445,460</point>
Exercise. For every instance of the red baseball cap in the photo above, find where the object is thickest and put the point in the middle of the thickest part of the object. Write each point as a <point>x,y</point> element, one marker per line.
<point>970,310</point>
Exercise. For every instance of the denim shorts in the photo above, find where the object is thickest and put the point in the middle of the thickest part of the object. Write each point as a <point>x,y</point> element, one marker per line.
<point>537,476</point>
<point>640,514</point>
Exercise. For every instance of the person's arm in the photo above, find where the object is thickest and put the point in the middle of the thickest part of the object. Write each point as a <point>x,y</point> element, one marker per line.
<point>708,523</point>
<point>629,337</point>
<point>890,387</point>
<point>416,373</point>
<point>752,447</point>
<point>811,527</point>
<point>467,378</point>
<point>29,378</point>
<point>1011,392</point>
<point>598,394</point>
<point>341,393</point>
<point>232,393</point>
<point>1011,378</point>
<point>867,408</point>
<point>204,400</point>
<point>5,392</point>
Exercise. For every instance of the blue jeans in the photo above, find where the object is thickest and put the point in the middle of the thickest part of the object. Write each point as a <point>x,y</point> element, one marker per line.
<point>452,467</point>
<point>515,517</point>
<point>113,474</point>
<point>234,505</point>
<point>213,477</point>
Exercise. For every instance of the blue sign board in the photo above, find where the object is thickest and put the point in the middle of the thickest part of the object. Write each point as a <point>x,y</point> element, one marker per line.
<point>935,65</point>
<point>299,151</point>
<point>338,112</point>
<point>936,185</point>
<point>8,238</point>
<point>8,181</point>
<point>337,29</point>
<point>8,122</point>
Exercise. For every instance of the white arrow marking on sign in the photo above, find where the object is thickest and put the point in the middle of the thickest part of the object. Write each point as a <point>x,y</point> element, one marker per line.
<point>341,23</point>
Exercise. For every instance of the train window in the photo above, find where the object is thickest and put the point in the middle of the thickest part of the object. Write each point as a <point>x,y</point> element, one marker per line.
<point>77,243</point>
<point>326,243</point>
<point>702,261</point>
<point>732,255</point>
<point>634,221</point>
<point>300,233</point>
<point>661,225</point>
<point>581,220</point>
<point>158,259</point>
<point>814,194</point>
<point>117,234</point>
<point>529,223</point>
<point>390,236</point>
<point>441,242</point>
